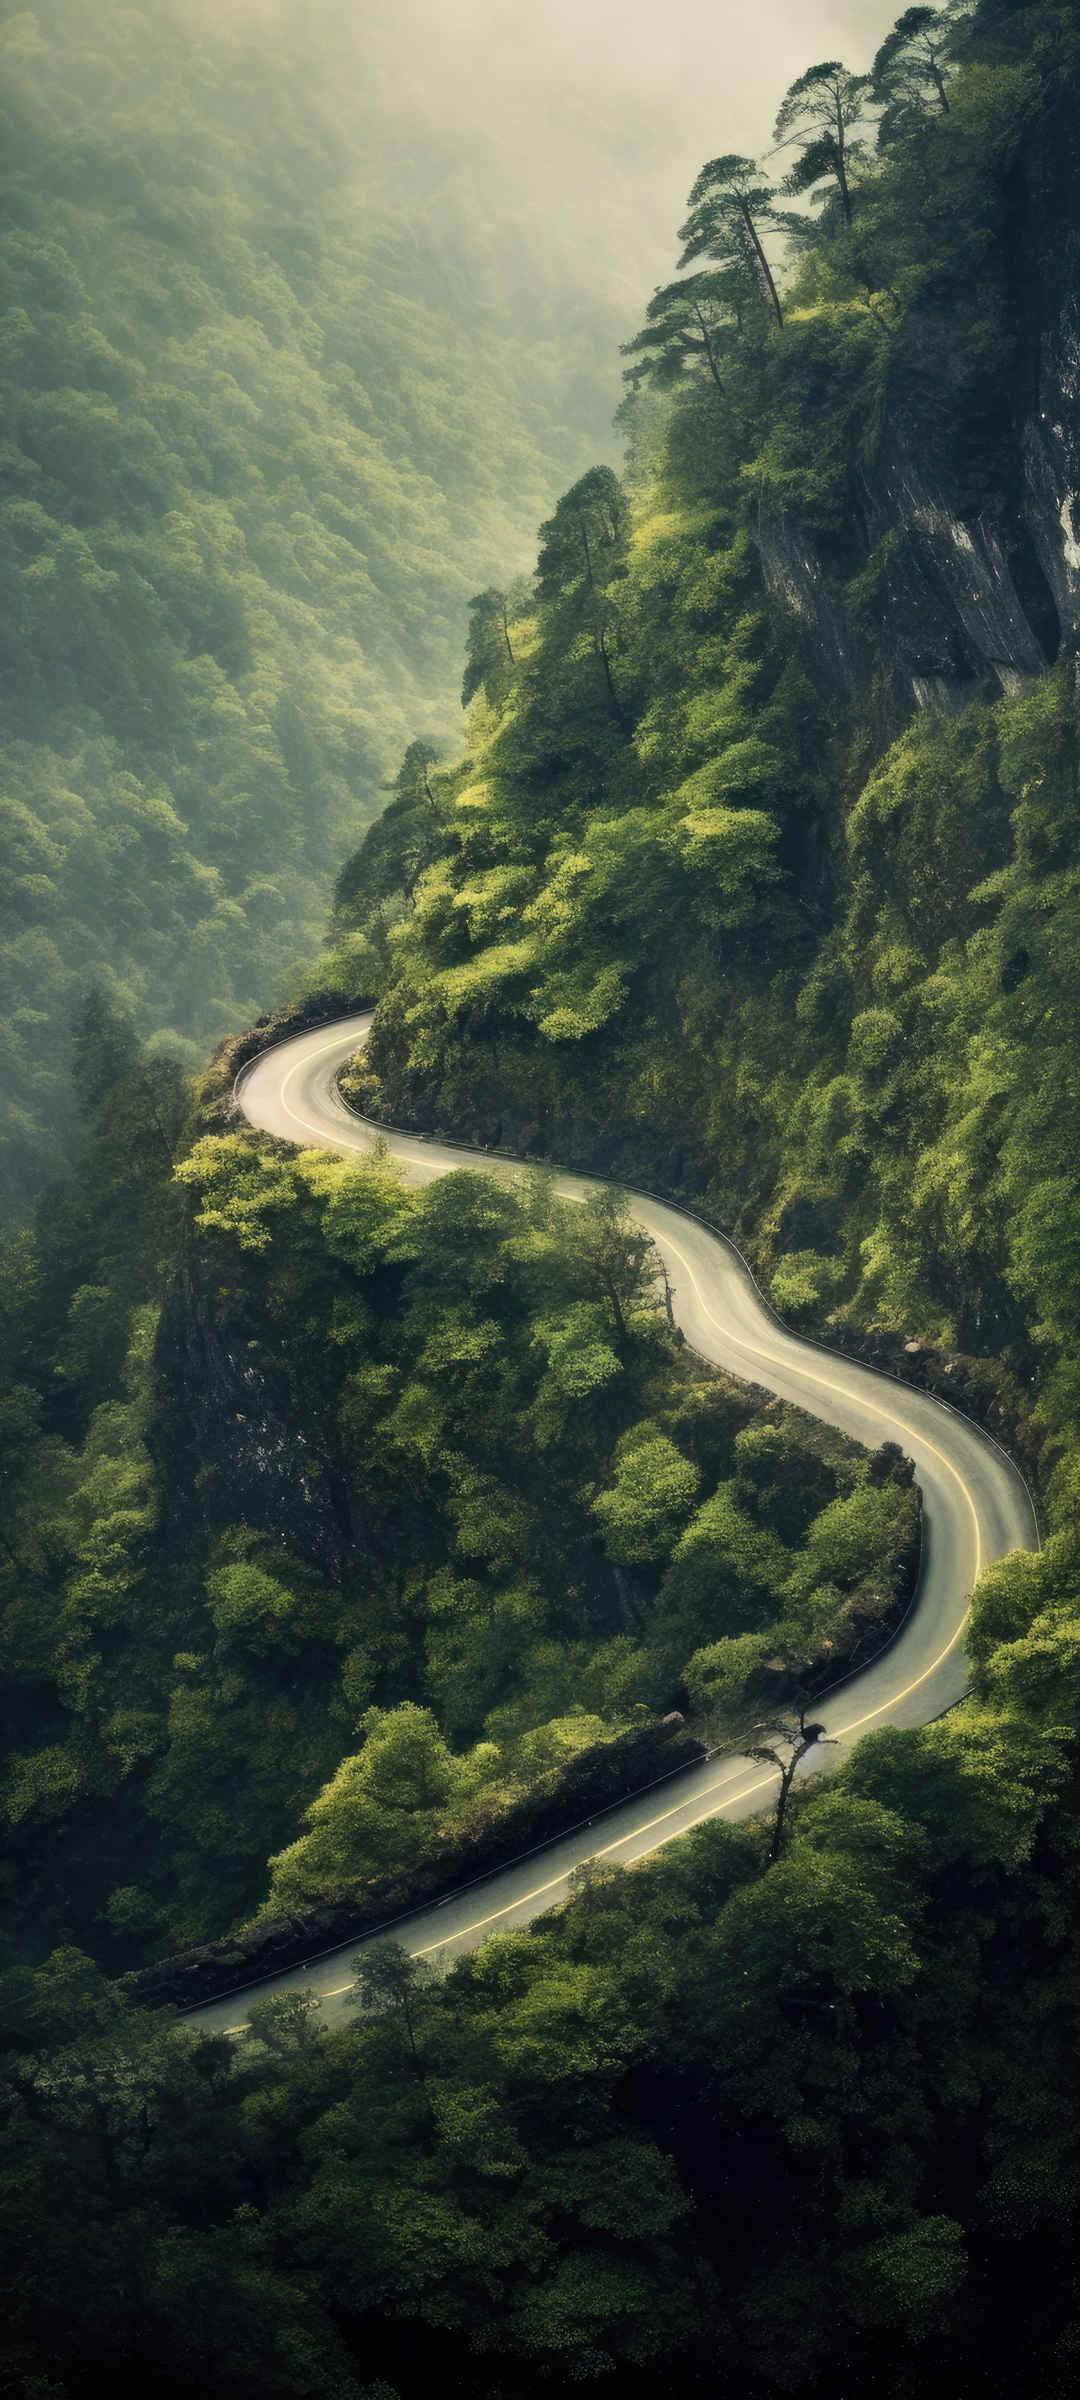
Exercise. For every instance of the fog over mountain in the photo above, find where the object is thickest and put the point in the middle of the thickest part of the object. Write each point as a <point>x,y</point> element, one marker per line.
<point>565,138</point>
<point>393,252</point>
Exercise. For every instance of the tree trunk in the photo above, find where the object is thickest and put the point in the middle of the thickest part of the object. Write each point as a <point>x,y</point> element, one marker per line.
<point>841,164</point>
<point>713,369</point>
<point>845,195</point>
<point>787,1778</point>
<point>938,81</point>
<point>761,258</point>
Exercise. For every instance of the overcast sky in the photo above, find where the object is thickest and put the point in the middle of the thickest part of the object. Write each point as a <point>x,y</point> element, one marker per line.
<point>584,120</point>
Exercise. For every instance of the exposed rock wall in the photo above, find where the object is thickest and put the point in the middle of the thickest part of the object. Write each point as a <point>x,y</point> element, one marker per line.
<point>976,560</point>
<point>968,605</point>
<point>1051,444</point>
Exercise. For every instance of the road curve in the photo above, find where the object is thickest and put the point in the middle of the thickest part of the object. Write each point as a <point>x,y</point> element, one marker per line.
<point>975,1509</point>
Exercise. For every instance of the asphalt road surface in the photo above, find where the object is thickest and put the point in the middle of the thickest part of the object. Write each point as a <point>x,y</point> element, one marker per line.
<point>975,1508</point>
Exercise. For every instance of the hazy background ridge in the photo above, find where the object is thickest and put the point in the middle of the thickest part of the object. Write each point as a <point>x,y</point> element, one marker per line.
<point>307,315</point>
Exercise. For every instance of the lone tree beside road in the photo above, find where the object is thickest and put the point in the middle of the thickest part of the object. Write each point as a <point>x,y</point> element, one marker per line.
<point>795,1737</point>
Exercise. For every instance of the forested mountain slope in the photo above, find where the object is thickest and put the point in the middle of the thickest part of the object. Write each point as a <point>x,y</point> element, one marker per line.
<point>760,886</point>
<point>330,1510</point>
<point>267,423</point>
<point>340,1518</point>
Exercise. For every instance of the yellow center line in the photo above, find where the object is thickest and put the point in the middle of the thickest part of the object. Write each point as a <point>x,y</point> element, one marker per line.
<point>555,1882</point>
<point>343,1141</point>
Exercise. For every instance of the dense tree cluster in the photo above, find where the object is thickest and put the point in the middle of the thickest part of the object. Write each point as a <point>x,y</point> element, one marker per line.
<point>815,2122</point>
<point>335,1518</point>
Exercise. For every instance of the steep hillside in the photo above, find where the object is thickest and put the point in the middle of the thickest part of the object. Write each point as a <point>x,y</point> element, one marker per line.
<point>757,881</point>
<point>337,1519</point>
<point>333,1512</point>
<point>266,426</point>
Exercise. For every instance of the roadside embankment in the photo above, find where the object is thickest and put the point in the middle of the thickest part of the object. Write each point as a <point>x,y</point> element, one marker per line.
<point>596,1779</point>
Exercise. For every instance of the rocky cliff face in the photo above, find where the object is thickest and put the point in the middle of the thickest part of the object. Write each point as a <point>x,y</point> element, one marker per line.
<point>1050,443</point>
<point>975,559</point>
<point>969,604</point>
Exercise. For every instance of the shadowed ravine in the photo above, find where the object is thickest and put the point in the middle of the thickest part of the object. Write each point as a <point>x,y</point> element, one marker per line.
<point>975,1509</point>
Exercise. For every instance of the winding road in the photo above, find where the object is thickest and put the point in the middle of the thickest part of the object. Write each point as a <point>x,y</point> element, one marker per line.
<point>975,1505</point>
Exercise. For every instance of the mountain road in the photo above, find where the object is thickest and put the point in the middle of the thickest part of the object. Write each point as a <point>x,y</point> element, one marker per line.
<point>975,1508</point>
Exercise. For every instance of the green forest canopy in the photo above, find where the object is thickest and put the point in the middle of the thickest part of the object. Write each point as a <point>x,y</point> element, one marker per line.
<point>505,1518</point>
<point>700,905</point>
